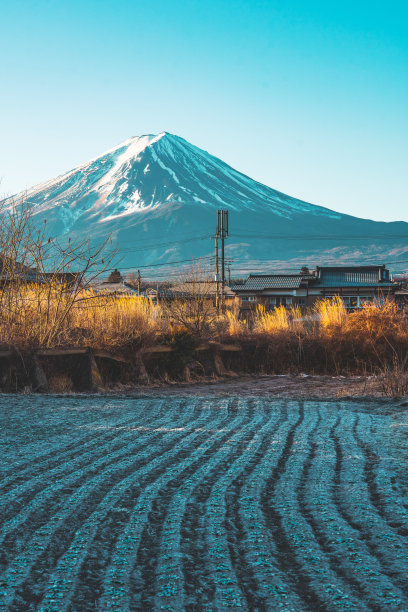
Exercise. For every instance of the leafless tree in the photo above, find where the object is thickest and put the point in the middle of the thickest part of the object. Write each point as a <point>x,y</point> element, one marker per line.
<point>42,276</point>
<point>190,301</point>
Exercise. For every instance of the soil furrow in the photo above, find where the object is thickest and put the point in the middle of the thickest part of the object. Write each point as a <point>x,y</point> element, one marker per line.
<point>286,525</point>
<point>382,496</point>
<point>103,414</point>
<point>118,577</point>
<point>49,542</point>
<point>250,579</point>
<point>94,566</point>
<point>257,549</point>
<point>22,494</point>
<point>341,537</point>
<point>37,509</point>
<point>148,471</point>
<point>318,470</point>
<point>357,510</point>
<point>63,452</point>
<point>169,553</point>
<point>222,571</point>
<point>189,503</point>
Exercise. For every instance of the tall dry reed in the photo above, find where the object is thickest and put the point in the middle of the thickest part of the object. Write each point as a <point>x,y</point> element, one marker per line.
<point>118,322</point>
<point>377,319</point>
<point>278,320</point>
<point>235,326</point>
<point>331,313</point>
<point>44,316</point>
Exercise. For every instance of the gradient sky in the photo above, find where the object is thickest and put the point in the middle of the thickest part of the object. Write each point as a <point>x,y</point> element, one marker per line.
<point>310,98</point>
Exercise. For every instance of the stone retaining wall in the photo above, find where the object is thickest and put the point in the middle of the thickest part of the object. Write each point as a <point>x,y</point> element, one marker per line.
<point>87,369</point>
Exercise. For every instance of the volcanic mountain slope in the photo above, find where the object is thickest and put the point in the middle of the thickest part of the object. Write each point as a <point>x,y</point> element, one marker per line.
<point>156,196</point>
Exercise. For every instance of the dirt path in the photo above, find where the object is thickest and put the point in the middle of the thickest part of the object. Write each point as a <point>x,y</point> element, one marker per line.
<point>302,386</point>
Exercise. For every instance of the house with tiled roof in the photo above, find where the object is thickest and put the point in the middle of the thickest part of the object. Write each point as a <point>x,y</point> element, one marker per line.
<point>356,285</point>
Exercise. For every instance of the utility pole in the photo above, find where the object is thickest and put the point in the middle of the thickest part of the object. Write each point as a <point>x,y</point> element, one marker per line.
<point>217,270</point>
<point>138,282</point>
<point>224,234</point>
<point>221,232</point>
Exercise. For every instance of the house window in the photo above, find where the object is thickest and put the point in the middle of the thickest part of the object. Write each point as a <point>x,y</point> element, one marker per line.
<point>379,300</point>
<point>248,298</point>
<point>281,300</point>
<point>353,301</point>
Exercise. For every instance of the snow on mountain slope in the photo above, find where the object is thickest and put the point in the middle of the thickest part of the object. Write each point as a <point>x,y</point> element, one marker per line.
<point>160,188</point>
<point>145,171</point>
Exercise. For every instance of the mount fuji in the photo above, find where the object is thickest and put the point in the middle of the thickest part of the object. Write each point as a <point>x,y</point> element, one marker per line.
<point>156,196</point>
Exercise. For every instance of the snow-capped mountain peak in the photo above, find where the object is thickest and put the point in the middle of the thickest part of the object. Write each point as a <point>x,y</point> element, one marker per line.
<point>161,187</point>
<point>145,171</point>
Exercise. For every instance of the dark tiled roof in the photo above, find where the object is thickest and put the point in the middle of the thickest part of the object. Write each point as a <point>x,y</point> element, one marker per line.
<point>269,281</point>
<point>200,288</point>
<point>359,277</point>
<point>378,284</point>
<point>362,276</point>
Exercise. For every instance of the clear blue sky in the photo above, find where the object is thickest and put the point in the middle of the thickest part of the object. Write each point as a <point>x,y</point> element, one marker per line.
<point>310,98</point>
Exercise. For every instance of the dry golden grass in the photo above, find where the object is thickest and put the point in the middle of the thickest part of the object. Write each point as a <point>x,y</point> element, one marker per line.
<point>377,319</point>
<point>234,325</point>
<point>44,316</point>
<point>331,312</point>
<point>278,320</point>
<point>117,322</point>
<point>33,315</point>
<point>330,341</point>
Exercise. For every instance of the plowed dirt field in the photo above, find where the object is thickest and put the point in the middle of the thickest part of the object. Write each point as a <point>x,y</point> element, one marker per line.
<point>203,503</point>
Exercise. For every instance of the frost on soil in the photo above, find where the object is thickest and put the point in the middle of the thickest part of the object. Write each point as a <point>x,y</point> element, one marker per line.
<point>202,503</point>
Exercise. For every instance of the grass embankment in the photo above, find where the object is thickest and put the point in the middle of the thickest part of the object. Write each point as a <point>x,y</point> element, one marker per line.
<point>328,340</point>
<point>325,340</point>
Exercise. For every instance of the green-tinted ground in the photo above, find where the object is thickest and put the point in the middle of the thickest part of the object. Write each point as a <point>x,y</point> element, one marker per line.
<point>203,503</point>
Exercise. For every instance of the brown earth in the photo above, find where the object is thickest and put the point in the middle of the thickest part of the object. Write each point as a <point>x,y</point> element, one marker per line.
<point>294,386</point>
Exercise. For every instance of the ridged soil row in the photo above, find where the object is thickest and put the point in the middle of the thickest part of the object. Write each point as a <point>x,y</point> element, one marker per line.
<point>376,544</point>
<point>49,543</point>
<point>299,553</point>
<point>31,480</point>
<point>222,569</point>
<point>64,579</point>
<point>266,586</point>
<point>39,504</point>
<point>65,449</point>
<point>169,589</point>
<point>90,582</point>
<point>199,580</point>
<point>316,491</point>
<point>118,578</point>
<point>355,550</point>
<point>38,448</point>
<point>384,496</point>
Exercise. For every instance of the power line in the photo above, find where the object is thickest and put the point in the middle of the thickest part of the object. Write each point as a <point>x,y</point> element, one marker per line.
<point>157,265</point>
<point>164,244</point>
<point>320,236</point>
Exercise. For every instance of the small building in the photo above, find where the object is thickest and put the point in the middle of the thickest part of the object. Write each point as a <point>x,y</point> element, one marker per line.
<point>119,290</point>
<point>189,290</point>
<point>272,290</point>
<point>16,273</point>
<point>356,285</point>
